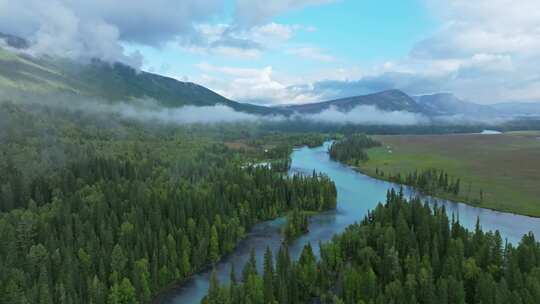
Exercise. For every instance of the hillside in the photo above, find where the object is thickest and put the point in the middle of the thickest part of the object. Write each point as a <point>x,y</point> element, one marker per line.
<point>518,108</point>
<point>449,104</point>
<point>118,82</point>
<point>391,100</point>
<point>113,82</point>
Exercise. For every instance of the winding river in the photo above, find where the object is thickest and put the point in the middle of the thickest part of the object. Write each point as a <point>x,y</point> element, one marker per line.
<point>357,193</point>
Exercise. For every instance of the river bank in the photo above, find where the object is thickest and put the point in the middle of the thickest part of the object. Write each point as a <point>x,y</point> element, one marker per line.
<point>441,196</point>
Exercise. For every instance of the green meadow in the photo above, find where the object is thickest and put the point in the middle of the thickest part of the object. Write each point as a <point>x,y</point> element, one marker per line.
<point>505,167</point>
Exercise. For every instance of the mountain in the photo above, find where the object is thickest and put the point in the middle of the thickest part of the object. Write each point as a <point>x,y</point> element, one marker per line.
<point>391,100</point>
<point>518,108</point>
<point>449,104</point>
<point>112,82</point>
<point>432,105</point>
<point>118,82</point>
<point>14,41</point>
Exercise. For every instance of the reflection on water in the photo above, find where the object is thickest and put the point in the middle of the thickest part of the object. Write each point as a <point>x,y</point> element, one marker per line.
<point>357,193</point>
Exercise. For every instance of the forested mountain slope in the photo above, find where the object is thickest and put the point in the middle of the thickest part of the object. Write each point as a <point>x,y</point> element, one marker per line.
<point>112,82</point>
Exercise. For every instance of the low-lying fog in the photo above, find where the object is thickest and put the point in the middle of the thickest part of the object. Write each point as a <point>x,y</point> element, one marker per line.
<point>150,110</point>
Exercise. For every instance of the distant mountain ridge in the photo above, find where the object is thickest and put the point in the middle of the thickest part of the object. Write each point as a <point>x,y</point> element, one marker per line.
<point>118,82</point>
<point>449,104</point>
<point>430,105</point>
<point>518,108</point>
<point>390,100</point>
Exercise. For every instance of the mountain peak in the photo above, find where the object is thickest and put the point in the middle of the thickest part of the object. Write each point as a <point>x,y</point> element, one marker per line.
<point>388,100</point>
<point>447,103</point>
<point>391,92</point>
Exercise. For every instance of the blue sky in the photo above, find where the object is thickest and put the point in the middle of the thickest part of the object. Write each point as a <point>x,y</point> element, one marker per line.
<point>298,51</point>
<point>364,31</point>
<point>341,35</point>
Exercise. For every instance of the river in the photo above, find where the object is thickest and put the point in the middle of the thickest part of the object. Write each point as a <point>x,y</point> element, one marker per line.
<point>357,193</point>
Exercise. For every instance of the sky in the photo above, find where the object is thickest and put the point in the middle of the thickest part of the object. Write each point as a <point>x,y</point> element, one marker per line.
<point>298,51</point>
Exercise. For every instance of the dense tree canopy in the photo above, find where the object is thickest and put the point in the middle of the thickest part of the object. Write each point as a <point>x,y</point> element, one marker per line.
<point>297,224</point>
<point>352,148</point>
<point>402,252</point>
<point>428,181</point>
<point>99,210</point>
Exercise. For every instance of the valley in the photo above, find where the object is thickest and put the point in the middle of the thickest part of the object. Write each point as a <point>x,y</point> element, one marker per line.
<point>169,157</point>
<point>357,196</point>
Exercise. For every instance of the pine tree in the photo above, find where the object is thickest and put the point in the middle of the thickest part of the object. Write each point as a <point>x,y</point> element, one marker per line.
<point>142,280</point>
<point>214,245</point>
<point>118,261</point>
<point>268,278</point>
<point>251,266</point>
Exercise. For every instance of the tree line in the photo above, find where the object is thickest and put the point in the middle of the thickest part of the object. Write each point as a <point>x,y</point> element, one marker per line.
<point>401,252</point>
<point>352,148</point>
<point>428,181</point>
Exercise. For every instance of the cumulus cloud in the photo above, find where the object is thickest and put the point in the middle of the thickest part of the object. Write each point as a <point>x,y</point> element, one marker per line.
<point>268,86</point>
<point>485,51</point>
<point>100,28</point>
<point>367,115</point>
<point>255,85</point>
<point>230,40</point>
<point>87,29</point>
<point>489,47</point>
<point>484,26</point>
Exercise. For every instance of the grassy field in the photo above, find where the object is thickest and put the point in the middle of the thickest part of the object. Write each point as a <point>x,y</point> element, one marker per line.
<point>505,167</point>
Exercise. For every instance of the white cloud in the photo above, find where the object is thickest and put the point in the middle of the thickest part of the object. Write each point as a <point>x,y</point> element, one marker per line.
<point>99,28</point>
<point>183,115</point>
<point>251,42</point>
<point>483,26</point>
<point>488,48</point>
<point>486,51</point>
<point>254,85</point>
<point>87,29</point>
<point>252,12</point>
<point>270,87</point>
<point>228,40</point>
